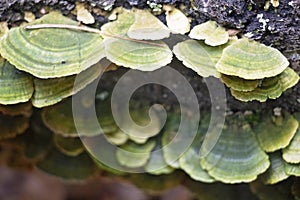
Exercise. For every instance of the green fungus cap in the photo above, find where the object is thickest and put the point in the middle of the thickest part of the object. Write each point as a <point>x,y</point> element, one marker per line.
<point>275,132</point>
<point>156,164</point>
<point>138,55</point>
<point>130,52</point>
<point>120,26</point>
<point>276,172</point>
<point>59,119</point>
<point>51,52</point>
<point>271,88</point>
<point>291,153</point>
<point>190,160</point>
<point>134,155</point>
<point>51,91</point>
<point>15,86</point>
<point>237,156</point>
<point>239,84</point>
<point>147,27</point>
<point>116,137</point>
<point>141,117</point>
<point>200,57</point>
<point>248,59</point>
<point>212,33</point>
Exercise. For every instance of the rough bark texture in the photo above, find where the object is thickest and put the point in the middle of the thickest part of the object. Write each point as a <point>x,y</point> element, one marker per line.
<point>278,27</point>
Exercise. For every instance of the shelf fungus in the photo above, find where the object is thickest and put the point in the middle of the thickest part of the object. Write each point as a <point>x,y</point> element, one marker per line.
<point>59,119</point>
<point>51,91</point>
<point>251,60</point>
<point>51,52</point>
<point>291,153</point>
<point>147,27</point>
<point>237,156</point>
<point>141,118</point>
<point>135,53</point>
<point>134,155</point>
<point>199,57</point>
<point>116,137</point>
<point>275,132</point>
<point>212,33</point>
<point>15,86</point>
<point>176,137</point>
<point>276,172</point>
<point>292,169</point>
<point>269,88</point>
<point>190,160</point>
<point>239,84</point>
<point>156,164</point>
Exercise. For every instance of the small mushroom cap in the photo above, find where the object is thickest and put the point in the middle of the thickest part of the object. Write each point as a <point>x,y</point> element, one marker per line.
<point>283,128</point>
<point>270,87</point>
<point>200,57</point>
<point>237,156</point>
<point>51,91</point>
<point>251,60</point>
<point>212,33</point>
<point>239,84</point>
<point>147,27</point>
<point>15,86</point>
<point>177,21</point>
<point>137,55</point>
<point>51,52</point>
<point>291,153</point>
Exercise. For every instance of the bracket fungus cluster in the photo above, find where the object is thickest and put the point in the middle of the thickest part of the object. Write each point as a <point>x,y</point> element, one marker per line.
<point>251,70</point>
<point>136,43</point>
<point>40,62</point>
<point>40,70</point>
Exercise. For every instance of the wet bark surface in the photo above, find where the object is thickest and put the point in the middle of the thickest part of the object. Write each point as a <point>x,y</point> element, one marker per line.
<point>278,27</point>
